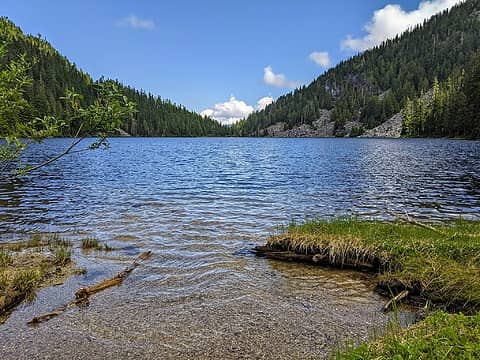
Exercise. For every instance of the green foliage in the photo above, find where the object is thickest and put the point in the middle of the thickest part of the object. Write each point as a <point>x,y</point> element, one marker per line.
<point>453,110</point>
<point>415,116</point>
<point>158,117</point>
<point>52,75</point>
<point>356,132</point>
<point>373,86</point>
<point>13,81</point>
<point>439,336</point>
<point>14,125</point>
<point>101,118</point>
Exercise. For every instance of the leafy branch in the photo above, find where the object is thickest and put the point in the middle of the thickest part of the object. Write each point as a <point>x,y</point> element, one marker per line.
<point>100,119</point>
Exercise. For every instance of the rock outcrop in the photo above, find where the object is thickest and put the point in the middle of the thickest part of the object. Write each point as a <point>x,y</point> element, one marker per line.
<point>322,127</point>
<point>392,128</point>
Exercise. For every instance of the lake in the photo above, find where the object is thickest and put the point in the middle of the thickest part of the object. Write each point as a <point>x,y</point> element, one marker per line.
<point>200,204</point>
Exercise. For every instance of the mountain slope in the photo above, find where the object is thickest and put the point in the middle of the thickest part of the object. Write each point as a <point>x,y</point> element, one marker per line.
<point>53,74</point>
<point>373,86</point>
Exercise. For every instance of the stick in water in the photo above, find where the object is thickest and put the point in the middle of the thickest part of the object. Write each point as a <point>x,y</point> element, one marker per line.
<point>83,294</point>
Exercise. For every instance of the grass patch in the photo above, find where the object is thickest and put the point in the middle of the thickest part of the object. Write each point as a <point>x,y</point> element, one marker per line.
<point>29,265</point>
<point>94,244</point>
<point>39,241</point>
<point>5,258</point>
<point>63,255</point>
<point>439,336</point>
<point>435,263</point>
<point>440,263</point>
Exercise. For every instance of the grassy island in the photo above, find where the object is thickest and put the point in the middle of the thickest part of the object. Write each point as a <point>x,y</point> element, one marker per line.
<point>437,264</point>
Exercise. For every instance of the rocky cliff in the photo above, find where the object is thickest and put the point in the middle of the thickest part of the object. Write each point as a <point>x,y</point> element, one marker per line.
<point>392,128</point>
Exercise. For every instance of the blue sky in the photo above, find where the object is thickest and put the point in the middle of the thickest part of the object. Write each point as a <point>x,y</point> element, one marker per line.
<point>201,53</point>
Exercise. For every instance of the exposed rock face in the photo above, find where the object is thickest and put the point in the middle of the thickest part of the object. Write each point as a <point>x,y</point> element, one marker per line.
<point>322,127</point>
<point>392,128</point>
<point>325,127</point>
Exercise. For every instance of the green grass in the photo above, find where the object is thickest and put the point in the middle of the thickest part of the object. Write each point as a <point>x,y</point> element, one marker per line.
<point>90,243</point>
<point>441,263</point>
<point>63,255</point>
<point>435,263</point>
<point>439,336</point>
<point>94,244</point>
<point>5,258</point>
<point>50,241</point>
<point>26,266</point>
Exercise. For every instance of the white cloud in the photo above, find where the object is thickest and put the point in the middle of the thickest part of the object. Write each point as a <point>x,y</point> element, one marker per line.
<point>264,102</point>
<point>234,110</point>
<point>137,23</point>
<point>392,20</point>
<point>277,80</point>
<point>229,112</point>
<point>322,58</point>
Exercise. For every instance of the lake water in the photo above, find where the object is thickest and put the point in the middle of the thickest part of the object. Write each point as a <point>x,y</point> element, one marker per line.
<point>200,204</point>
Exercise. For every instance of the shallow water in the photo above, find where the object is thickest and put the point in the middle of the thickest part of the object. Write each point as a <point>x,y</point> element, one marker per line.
<point>199,205</point>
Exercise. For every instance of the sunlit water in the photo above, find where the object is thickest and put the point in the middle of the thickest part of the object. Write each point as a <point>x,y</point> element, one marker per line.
<point>199,205</point>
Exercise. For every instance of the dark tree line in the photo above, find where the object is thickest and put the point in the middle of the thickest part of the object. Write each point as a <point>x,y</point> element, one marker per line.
<point>158,117</point>
<point>53,74</point>
<point>453,109</point>
<point>373,86</point>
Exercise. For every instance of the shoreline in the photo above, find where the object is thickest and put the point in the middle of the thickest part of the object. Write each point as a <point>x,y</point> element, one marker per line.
<point>433,268</point>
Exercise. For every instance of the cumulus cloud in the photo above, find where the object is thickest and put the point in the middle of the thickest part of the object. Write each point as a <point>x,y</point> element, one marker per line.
<point>234,110</point>
<point>135,22</point>
<point>277,80</point>
<point>391,20</point>
<point>321,58</point>
<point>264,102</point>
<point>229,112</point>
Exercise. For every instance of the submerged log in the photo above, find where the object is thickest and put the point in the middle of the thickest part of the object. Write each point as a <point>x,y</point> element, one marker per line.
<point>285,255</point>
<point>83,294</point>
<point>318,259</point>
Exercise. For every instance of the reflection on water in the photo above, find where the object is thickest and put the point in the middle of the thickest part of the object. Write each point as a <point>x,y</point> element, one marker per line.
<point>199,204</point>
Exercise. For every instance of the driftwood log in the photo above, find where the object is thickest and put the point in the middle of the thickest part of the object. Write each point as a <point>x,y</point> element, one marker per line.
<point>83,294</point>
<point>319,259</point>
<point>396,299</point>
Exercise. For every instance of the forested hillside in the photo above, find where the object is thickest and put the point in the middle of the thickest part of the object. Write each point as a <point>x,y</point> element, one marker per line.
<point>53,74</point>
<point>374,85</point>
<point>453,109</point>
<point>158,117</point>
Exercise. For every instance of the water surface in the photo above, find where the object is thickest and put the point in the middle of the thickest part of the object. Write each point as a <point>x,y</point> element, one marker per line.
<point>199,205</point>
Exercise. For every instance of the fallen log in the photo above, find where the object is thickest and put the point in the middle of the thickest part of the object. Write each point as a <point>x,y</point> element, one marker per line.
<point>318,259</point>
<point>282,254</point>
<point>83,294</point>
<point>399,297</point>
